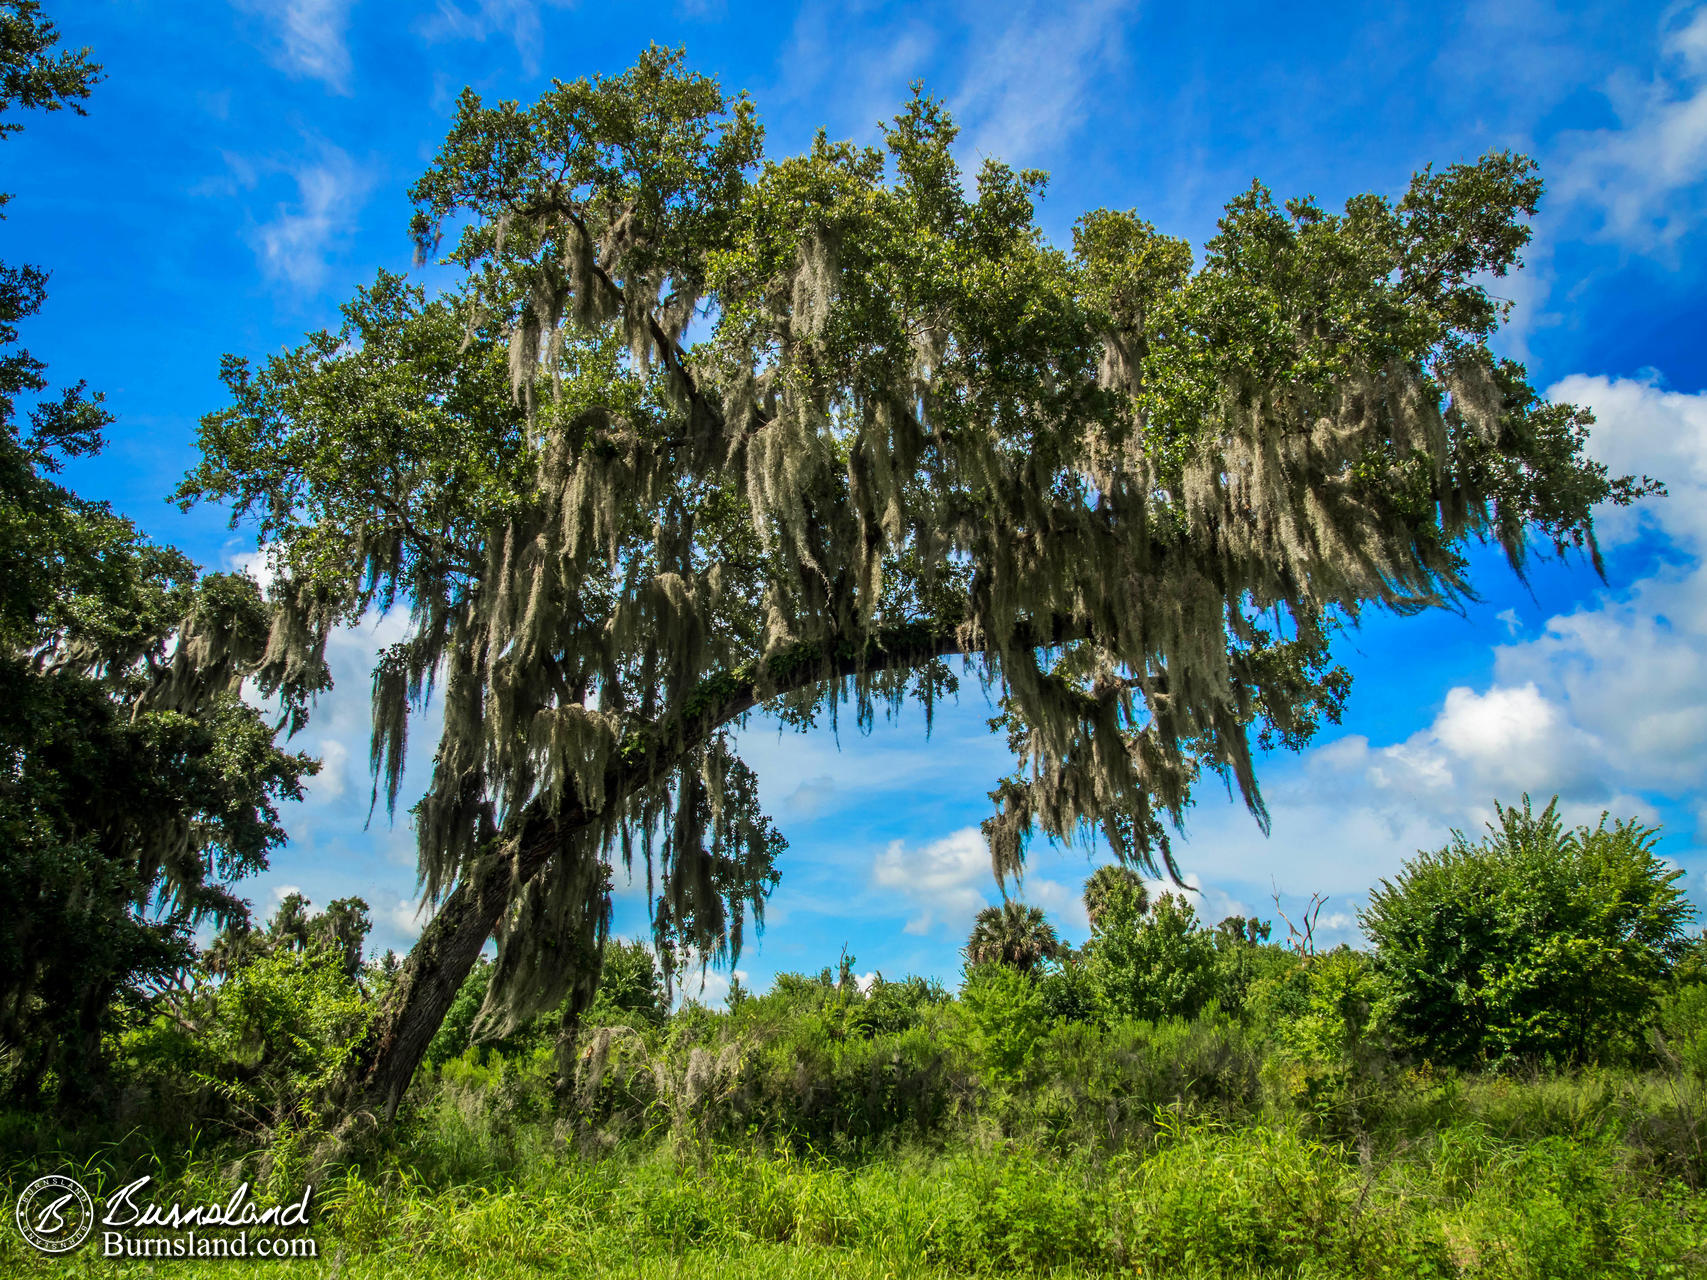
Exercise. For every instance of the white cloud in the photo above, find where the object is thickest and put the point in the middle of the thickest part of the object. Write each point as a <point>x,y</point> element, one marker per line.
<point>309,37</point>
<point>1063,903</point>
<point>1641,428</point>
<point>293,245</point>
<point>257,565</point>
<point>948,880</point>
<point>517,19</point>
<point>333,778</point>
<point>406,917</point>
<point>1027,84</point>
<point>1645,178</point>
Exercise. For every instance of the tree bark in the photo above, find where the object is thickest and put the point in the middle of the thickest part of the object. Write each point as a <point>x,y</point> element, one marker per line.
<point>437,965</point>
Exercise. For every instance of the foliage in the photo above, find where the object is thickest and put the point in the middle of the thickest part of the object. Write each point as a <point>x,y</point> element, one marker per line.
<point>1538,942</point>
<point>34,73</point>
<point>1160,964</point>
<point>260,1048</point>
<point>135,784</point>
<point>1681,1022</point>
<point>1139,491</point>
<point>1012,934</point>
<point>1003,1018</point>
<point>1319,1012</point>
<point>629,983</point>
<point>825,1127</point>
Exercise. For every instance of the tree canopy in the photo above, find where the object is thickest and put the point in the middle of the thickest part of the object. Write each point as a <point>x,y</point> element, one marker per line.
<point>135,784</point>
<point>696,430</point>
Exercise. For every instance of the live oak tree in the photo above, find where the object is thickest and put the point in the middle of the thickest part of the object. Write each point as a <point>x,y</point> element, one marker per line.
<point>695,432</point>
<point>135,784</point>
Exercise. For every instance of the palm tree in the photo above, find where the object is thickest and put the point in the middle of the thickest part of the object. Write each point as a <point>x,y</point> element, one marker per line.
<point>1108,881</point>
<point>1012,934</point>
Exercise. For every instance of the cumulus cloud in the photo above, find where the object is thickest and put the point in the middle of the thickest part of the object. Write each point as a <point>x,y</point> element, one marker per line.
<point>1645,178</point>
<point>1643,429</point>
<point>947,880</point>
<point>309,38</point>
<point>1608,700</point>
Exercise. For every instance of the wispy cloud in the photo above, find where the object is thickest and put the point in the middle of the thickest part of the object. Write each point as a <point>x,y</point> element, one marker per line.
<point>308,37</point>
<point>1646,178</point>
<point>516,19</point>
<point>293,245</point>
<point>1018,77</point>
<point>1029,75</point>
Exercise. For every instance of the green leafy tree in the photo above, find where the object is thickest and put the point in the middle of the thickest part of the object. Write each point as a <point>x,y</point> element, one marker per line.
<point>1013,934</point>
<point>135,784</point>
<point>630,983</point>
<point>693,432</point>
<point>1538,941</point>
<point>1159,964</point>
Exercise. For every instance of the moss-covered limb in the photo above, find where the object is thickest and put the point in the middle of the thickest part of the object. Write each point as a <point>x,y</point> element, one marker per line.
<point>472,910</point>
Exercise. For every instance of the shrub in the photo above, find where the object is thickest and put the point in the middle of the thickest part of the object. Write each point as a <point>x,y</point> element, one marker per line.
<point>1318,1013</point>
<point>1682,1028</point>
<point>261,1047</point>
<point>1002,1018</point>
<point>1538,942</point>
<point>1159,964</point>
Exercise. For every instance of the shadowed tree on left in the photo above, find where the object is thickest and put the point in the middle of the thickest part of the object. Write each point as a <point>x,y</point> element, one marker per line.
<point>135,784</point>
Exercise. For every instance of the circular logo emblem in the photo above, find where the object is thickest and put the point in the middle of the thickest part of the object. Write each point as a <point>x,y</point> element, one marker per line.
<point>55,1214</point>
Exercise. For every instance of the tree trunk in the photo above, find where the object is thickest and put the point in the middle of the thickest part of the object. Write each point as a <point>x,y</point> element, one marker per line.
<point>452,940</point>
<point>436,967</point>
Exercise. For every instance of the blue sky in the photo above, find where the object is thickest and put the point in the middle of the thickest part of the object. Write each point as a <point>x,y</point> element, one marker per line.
<point>243,169</point>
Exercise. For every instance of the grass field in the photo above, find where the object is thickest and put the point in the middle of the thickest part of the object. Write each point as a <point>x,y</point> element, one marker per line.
<point>1545,1178</point>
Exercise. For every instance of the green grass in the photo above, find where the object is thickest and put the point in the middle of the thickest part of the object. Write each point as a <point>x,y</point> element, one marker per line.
<point>1204,1200</point>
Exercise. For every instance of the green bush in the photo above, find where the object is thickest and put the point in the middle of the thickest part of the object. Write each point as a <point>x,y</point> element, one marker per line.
<point>1539,942</point>
<point>260,1048</point>
<point>1682,1027</point>
<point>1002,1018</point>
<point>1157,964</point>
<point>1317,1014</point>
